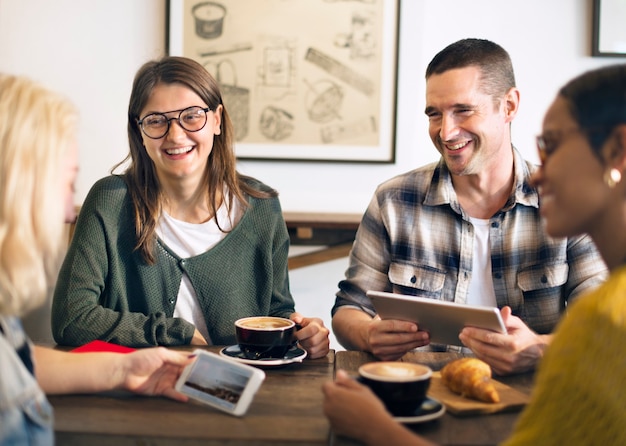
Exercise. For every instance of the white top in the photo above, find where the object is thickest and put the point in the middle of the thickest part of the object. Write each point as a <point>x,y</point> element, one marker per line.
<point>189,240</point>
<point>481,283</point>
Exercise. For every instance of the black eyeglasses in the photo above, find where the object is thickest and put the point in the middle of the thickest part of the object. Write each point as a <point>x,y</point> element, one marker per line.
<point>548,143</point>
<point>191,119</point>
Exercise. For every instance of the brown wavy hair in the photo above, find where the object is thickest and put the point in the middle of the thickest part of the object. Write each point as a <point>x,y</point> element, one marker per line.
<point>140,174</point>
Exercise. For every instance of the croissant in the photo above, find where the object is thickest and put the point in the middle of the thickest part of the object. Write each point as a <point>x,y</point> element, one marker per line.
<point>470,377</point>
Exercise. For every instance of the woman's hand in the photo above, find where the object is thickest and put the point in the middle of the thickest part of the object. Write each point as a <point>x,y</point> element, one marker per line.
<point>313,336</point>
<point>153,371</point>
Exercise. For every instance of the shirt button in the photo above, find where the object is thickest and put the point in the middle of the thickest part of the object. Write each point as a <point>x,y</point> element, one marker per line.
<point>413,279</point>
<point>544,279</point>
<point>495,224</point>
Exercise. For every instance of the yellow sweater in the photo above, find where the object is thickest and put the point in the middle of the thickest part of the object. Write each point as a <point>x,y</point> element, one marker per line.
<point>580,392</point>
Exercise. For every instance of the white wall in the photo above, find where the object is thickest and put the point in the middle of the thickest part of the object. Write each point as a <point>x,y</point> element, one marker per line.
<point>90,50</point>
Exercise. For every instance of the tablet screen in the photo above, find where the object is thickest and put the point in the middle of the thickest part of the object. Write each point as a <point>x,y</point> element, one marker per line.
<point>443,320</point>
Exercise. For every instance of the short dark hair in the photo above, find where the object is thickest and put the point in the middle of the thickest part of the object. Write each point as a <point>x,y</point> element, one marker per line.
<point>492,60</point>
<point>597,101</point>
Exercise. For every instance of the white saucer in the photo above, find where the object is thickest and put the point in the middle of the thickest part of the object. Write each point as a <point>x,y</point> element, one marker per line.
<point>295,354</point>
<point>429,410</point>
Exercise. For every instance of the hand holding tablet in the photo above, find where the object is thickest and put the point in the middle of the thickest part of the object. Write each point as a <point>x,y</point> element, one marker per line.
<point>443,320</point>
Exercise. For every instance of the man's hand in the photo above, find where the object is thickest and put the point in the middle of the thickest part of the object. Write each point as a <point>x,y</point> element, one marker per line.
<point>515,352</point>
<point>390,339</point>
<point>387,339</point>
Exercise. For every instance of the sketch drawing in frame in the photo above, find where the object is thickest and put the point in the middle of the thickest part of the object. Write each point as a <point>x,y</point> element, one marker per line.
<point>309,80</point>
<point>609,28</point>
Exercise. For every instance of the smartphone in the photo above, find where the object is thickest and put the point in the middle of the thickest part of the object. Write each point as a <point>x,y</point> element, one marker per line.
<point>220,382</point>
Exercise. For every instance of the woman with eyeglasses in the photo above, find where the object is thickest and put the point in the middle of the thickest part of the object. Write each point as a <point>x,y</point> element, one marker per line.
<point>580,387</point>
<point>179,245</point>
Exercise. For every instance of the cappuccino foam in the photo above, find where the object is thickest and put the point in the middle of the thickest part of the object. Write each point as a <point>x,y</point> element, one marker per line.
<point>394,371</point>
<point>265,323</point>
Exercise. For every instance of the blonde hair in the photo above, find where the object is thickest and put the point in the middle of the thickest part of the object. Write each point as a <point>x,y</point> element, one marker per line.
<point>37,127</point>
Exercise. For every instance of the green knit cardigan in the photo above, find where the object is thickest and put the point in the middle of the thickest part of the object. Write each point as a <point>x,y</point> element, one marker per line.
<point>106,291</point>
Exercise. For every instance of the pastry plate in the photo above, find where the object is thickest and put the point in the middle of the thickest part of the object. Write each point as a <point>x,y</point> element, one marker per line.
<point>295,354</point>
<point>429,410</point>
<point>511,400</point>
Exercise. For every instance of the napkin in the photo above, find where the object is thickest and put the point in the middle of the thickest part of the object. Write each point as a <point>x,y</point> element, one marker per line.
<point>102,346</point>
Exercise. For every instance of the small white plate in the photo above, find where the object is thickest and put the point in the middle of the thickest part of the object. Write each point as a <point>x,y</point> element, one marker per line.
<point>429,410</point>
<point>295,354</point>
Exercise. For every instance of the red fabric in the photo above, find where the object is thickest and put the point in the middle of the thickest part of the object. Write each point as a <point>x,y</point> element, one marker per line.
<point>102,346</point>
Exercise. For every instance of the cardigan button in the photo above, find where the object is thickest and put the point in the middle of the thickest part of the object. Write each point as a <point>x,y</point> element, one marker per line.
<point>172,301</point>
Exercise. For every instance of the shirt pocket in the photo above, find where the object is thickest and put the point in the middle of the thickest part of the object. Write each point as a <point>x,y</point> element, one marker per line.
<point>417,280</point>
<point>537,279</point>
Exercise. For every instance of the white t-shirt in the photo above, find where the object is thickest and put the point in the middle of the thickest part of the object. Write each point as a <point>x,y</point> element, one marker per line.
<point>481,290</point>
<point>189,240</point>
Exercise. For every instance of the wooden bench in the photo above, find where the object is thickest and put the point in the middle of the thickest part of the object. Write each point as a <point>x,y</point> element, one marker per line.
<point>332,232</point>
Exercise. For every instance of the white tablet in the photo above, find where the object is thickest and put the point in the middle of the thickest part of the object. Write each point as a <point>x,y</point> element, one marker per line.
<point>220,382</point>
<point>443,320</point>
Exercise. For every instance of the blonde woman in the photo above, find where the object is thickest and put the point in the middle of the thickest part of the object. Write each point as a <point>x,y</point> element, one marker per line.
<point>38,166</point>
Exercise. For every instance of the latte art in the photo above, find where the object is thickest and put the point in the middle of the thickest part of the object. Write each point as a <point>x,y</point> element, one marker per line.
<point>265,323</point>
<point>387,370</point>
<point>395,371</point>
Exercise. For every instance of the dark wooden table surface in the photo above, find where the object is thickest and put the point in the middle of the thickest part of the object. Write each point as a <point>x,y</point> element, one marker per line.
<point>287,409</point>
<point>449,429</point>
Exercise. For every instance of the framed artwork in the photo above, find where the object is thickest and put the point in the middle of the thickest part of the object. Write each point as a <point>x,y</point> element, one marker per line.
<point>609,28</point>
<point>308,80</point>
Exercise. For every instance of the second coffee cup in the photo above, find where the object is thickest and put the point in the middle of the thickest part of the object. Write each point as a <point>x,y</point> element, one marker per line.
<point>262,337</point>
<point>401,386</point>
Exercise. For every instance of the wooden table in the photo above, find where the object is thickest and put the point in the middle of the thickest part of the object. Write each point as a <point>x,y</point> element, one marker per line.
<point>287,409</point>
<point>449,429</point>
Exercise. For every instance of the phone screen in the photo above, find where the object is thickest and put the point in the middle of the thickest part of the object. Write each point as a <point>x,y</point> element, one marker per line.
<point>216,382</point>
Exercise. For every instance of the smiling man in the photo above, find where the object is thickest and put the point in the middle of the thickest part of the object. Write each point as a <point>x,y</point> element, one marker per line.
<point>465,229</point>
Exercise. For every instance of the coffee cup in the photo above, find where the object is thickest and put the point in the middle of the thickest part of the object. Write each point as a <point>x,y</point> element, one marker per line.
<point>261,337</point>
<point>401,386</point>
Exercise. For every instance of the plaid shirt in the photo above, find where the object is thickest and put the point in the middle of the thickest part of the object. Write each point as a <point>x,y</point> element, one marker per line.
<point>415,239</point>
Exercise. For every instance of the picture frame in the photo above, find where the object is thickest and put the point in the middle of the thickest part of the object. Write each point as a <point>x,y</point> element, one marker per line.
<point>609,32</point>
<point>302,80</point>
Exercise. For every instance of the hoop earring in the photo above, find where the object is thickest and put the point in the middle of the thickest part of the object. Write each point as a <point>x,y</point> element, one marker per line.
<point>612,177</point>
